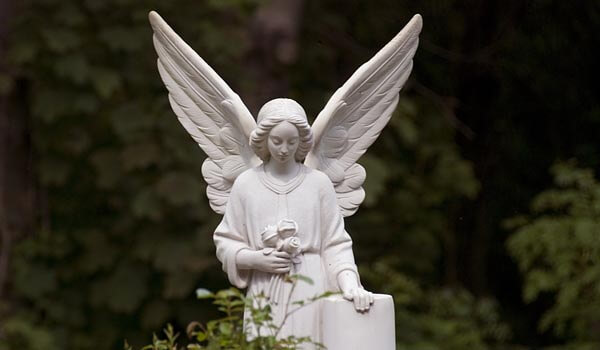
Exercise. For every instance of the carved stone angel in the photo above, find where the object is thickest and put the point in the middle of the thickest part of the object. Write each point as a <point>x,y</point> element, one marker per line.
<point>280,180</point>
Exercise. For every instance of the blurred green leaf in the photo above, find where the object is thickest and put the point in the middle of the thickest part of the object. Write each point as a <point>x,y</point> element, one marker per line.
<point>54,172</point>
<point>126,39</point>
<point>108,168</point>
<point>61,39</point>
<point>34,281</point>
<point>105,81</point>
<point>203,293</point>
<point>139,156</point>
<point>558,251</point>
<point>377,175</point>
<point>155,314</point>
<point>179,284</point>
<point>28,336</point>
<point>123,290</point>
<point>6,84</point>
<point>146,205</point>
<point>74,67</point>
<point>180,188</point>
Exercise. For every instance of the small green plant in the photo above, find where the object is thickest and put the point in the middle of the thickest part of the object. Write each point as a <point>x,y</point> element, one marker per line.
<point>233,331</point>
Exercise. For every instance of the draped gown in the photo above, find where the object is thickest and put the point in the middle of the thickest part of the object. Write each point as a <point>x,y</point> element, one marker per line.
<point>309,199</point>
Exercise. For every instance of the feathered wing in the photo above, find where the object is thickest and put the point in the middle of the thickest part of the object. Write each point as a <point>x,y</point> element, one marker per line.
<point>208,109</point>
<point>357,112</point>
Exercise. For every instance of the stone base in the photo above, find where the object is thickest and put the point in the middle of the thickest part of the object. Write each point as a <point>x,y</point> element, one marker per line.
<point>346,329</point>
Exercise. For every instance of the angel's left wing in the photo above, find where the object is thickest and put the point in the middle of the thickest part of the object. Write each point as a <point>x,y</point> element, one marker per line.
<point>208,109</point>
<point>357,112</point>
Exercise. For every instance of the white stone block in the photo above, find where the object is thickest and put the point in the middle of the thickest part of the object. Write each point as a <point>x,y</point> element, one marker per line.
<point>346,329</point>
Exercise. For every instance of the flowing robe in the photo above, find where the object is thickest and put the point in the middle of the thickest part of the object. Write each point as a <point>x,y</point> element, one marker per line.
<point>310,200</point>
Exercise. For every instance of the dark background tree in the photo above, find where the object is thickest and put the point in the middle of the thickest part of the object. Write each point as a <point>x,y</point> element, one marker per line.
<point>102,209</point>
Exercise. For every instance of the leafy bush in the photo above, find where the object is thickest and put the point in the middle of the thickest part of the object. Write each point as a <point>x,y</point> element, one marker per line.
<point>241,315</point>
<point>124,232</point>
<point>439,318</point>
<point>557,248</point>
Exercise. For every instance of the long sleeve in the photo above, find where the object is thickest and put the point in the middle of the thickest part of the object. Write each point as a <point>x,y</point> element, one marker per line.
<point>336,248</point>
<point>231,236</point>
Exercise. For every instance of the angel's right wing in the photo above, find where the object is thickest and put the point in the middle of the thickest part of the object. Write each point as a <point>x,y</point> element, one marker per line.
<point>357,112</point>
<point>208,109</point>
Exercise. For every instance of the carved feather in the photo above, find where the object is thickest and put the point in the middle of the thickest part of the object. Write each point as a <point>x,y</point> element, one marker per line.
<point>208,109</point>
<point>357,112</point>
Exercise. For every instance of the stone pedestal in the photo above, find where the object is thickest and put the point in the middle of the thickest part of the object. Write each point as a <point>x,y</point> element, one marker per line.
<point>345,329</point>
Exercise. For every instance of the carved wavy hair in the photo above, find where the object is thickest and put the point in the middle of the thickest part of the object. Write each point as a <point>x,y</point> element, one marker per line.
<point>272,114</point>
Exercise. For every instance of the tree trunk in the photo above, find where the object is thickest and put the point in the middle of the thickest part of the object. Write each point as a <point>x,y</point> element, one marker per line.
<point>17,190</point>
<point>274,34</point>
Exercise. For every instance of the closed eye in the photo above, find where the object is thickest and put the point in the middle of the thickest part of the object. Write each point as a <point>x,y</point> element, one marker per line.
<point>276,140</point>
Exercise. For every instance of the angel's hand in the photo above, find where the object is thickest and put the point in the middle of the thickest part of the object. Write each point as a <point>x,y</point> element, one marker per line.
<point>276,262</point>
<point>362,299</point>
<point>352,291</point>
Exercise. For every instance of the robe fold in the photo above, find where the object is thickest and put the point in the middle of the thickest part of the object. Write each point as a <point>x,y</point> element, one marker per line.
<point>310,200</point>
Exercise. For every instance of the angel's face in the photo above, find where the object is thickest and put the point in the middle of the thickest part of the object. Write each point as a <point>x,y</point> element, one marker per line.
<point>283,142</point>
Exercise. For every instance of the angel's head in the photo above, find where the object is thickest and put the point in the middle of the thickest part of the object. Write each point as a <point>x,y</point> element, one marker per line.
<point>292,132</point>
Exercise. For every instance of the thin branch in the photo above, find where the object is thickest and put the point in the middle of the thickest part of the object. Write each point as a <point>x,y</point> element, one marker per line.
<point>287,304</point>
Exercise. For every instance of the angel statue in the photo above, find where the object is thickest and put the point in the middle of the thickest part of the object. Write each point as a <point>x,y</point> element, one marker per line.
<point>283,186</point>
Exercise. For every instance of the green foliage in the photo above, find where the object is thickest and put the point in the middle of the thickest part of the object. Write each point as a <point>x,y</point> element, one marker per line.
<point>439,318</point>
<point>20,333</point>
<point>558,251</point>
<point>416,177</point>
<point>126,232</point>
<point>241,315</point>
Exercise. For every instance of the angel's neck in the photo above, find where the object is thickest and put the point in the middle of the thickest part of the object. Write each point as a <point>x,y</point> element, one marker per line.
<point>283,172</point>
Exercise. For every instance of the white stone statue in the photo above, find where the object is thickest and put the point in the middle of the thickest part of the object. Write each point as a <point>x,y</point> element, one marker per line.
<point>283,186</point>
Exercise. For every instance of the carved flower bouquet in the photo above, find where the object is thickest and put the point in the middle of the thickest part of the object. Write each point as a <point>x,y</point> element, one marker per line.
<point>281,237</point>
